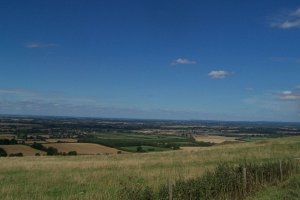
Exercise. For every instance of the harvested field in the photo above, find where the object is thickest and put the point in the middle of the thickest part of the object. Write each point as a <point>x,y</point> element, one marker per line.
<point>214,139</point>
<point>83,148</point>
<point>19,148</point>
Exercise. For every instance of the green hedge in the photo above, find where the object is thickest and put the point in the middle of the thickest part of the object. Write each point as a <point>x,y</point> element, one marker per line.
<point>225,182</point>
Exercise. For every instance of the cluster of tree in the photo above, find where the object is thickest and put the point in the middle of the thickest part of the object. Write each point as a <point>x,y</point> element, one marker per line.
<point>8,141</point>
<point>38,146</point>
<point>51,151</point>
<point>140,149</point>
<point>2,153</point>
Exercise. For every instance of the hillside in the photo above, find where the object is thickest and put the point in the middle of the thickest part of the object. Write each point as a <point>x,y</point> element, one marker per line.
<point>101,177</point>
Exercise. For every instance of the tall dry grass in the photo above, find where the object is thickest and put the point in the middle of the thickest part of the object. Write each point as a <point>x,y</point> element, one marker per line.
<point>100,177</point>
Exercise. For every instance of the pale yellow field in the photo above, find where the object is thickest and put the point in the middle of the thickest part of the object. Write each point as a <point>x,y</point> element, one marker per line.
<point>19,148</point>
<point>214,138</point>
<point>82,148</point>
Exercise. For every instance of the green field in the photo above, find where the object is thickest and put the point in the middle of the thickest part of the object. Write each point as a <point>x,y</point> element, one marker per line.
<point>103,177</point>
<point>120,140</point>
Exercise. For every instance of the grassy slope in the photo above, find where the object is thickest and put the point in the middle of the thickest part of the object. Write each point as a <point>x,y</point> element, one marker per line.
<point>99,177</point>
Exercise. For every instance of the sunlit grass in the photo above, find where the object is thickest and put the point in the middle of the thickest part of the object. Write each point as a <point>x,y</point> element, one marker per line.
<point>99,177</point>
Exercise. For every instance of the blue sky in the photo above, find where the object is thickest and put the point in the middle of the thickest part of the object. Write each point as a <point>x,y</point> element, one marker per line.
<point>181,59</point>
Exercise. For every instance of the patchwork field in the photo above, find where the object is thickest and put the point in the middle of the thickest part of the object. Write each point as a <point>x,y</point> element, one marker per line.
<point>102,177</point>
<point>214,139</point>
<point>82,148</point>
<point>19,148</point>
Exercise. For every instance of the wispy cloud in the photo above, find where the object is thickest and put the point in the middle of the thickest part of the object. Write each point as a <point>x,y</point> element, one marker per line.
<point>287,20</point>
<point>15,94</point>
<point>249,89</point>
<point>183,61</point>
<point>281,105</point>
<point>284,59</point>
<point>218,74</point>
<point>289,95</point>
<point>296,13</point>
<point>18,101</point>
<point>32,45</point>
<point>289,24</point>
<point>7,92</point>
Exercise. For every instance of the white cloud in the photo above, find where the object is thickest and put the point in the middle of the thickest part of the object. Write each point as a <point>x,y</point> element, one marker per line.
<point>32,45</point>
<point>287,21</point>
<point>218,74</point>
<point>287,92</point>
<point>183,61</point>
